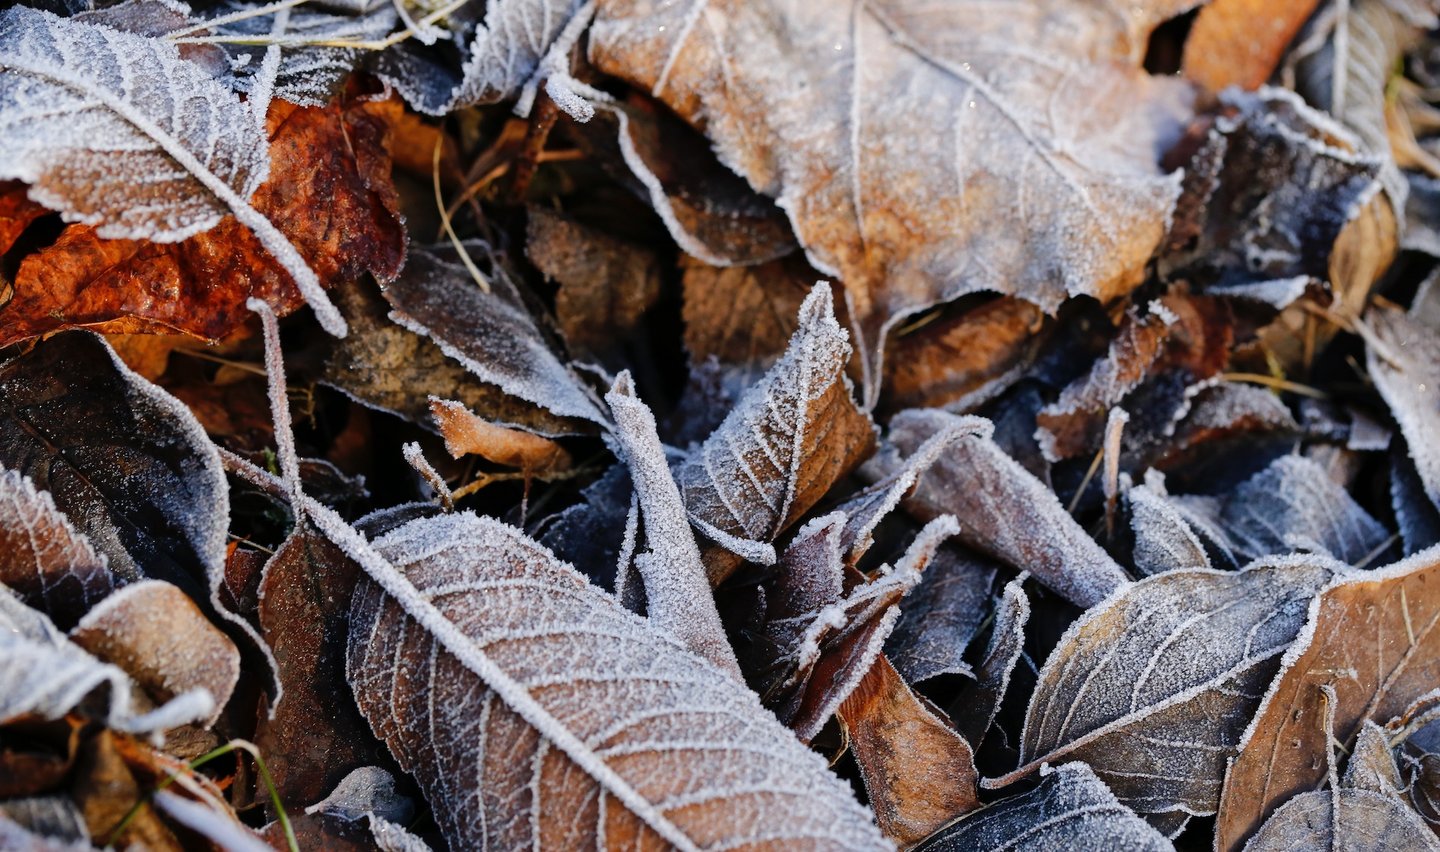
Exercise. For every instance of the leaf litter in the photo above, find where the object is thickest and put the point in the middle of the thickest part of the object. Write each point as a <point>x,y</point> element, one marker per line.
<point>757,425</point>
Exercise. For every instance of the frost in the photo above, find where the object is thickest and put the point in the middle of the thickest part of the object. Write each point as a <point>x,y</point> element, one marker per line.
<point>677,593</point>
<point>1403,357</point>
<point>116,130</point>
<point>490,333</point>
<point>44,560</point>
<point>981,702</point>
<point>940,616</point>
<point>1071,809</point>
<point>790,437</point>
<point>215,823</point>
<point>1163,538</point>
<point>1154,687</point>
<point>1343,819</point>
<point>46,675</point>
<point>366,790</point>
<point>1003,509</point>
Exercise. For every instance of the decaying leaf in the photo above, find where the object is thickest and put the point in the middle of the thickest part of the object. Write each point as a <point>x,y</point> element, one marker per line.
<point>743,316</point>
<point>44,559</point>
<point>790,437</point>
<point>804,103</point>
<point>467,433</point>
<point>919,772</point>
<point>1372,637</point>
<point>158,636</point>
<point>941,615</point>
<point>1153,689</point>
<point>1164,540</point>
<point>1003,510</point>
<point>980,702</point>
<point>1240,42</point>
<point>1071,809</point>
<point>627,736</point>
<point>1404,362</point>
<point>148,160</point>
<point>1343,819</point>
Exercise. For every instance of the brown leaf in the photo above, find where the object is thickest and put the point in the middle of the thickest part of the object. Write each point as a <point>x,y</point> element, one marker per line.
<point>544,713</point>
<point>791,436</point>
<point>1240,42</point>
<point>744,316</point>
<point>1154,688</point>
<point>44,560</point>
<point>606,284</point>
<point>17,212</point>
<point>1358,820</point>
<point>960,360</point>
<point>106,790</point>
<point>467,433</point>
<point>856,157</point>
<point>1373,637</point>
<point>315,734</point>
<point>155,633</point>
<point>329,192</point>
<point>919,773</point>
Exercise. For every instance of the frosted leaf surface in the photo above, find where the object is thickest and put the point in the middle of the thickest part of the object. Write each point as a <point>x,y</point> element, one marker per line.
<point>48,563</point>
<point>157,635</point>
<point>1003,510</point>
<point>44,674</point>
<point>1371,765</point>
<point>1072,809</point>
<point>1403,358</point>
<point>492,334</point>
<point>117,131</point>
<point>55,817</point>
<point>501,54</point>
<point>1417,517</point>
<point>790,437</point>
<point>980,702</point>
<point>1374,636</point>
<point>366,790</point>
<point>629,737</point>
<point>926,151</point>
<point>1353,820</point>
<point>1163,539</point>
<point>13,835</point>
<point>940,616</point>
<point>1154,688</point>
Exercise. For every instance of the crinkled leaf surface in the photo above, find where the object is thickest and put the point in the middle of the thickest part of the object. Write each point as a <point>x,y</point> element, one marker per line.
<point>1027,163</point>
<point>711,766</point>
<point>1359,820</point>
<point>1372,636</point>
<point>1071,809</point>
<point>1154,688</point>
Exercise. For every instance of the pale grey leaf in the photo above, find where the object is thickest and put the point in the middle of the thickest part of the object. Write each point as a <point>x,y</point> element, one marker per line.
<point>1163,538</point>
<point>44,559</point>
<point>1154,688</point>
<point>980,702</point>
<point>366,790</point>
<point>533,709</point>
<point>940,616</point>
<point>1353,820</point>
<point>115,130</point>
<point>1372,765</point>
<point>1070,810</point>
<point>1003,509</point>
<point>1403,358</point>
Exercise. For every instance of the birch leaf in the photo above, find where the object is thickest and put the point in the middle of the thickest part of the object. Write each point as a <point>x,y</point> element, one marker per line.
<point>804,103</point>
<point>44,559</point>
<point>589,723</point>
<point>1071,809</point>
<point>1358,820</point>
<point>1154,688</point>
<point>791,436</point>
<point>1373,637</point>
<point>116,130</point>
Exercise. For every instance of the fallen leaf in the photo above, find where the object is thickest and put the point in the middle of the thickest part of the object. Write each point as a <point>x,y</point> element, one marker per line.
<point>940,616</point>
<point>591,534</point>
<point>1343,819</point>
<point>1071,809</point>
<point>49,824</point>
<point>1404,363</point>
<point>1241,42</point>
<point>919,773</point>
<point>743,316</point>
<point>1003,510</point>
<point>979,703</point>
<point>1153,689</point>
<point>791,436</point>
<point>467,433</point>
<point>866,202</point>
<point>44,560</point>
<point>106,791</point>
<point>1372,637</point>
<point>158,636</point>
<point>687,756</point>
<point>1164,540</point>
<point>1372,764</point>
<point>960,361</point>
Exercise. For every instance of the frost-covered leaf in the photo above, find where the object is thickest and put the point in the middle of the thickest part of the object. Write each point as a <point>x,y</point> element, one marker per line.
<point>1164,540</point>
<point>117,131</point>
<point>1372,765</point>
<point>158,636</point>
<point>43,674</point>
<point>1003,509</point>
<point>1266,195</point>
<point>126,462</point>
<point>44,559</point>
<point>13,835</point>
<point>491,334</point>
<point>791,436</point>
<point>329,192</point>
<point>1154,688</point>
<point>545,713</point>
<point>1290,505</point>
<point>940,616</point>
<point>55,818</point>
<point>1358,820</point>
<point>213,821</point>
<point>980,702</point>
<point>1403,357</point>
<point>1071,809</point>
<point>919,773</point>
<point>805,101</point>
<point>1373,637</point>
